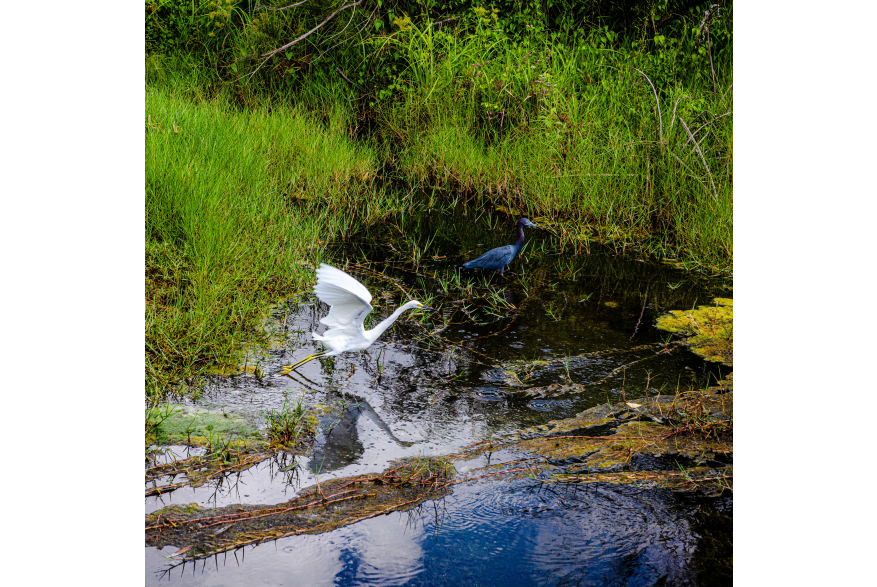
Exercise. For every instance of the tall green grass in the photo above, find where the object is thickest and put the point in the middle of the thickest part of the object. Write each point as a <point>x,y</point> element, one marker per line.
<point>236,201</point>
<point>246,181</point>
<point>570,133</point>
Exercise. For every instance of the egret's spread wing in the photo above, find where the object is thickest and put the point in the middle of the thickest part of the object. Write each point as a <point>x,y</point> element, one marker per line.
<point>348,298</point>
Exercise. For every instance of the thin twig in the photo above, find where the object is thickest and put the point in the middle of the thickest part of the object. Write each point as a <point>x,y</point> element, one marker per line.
<point>709,51</point>
<point>352,14</point>
<point>702,158</point>
<point>709,123</point>
<point>367,22</point>
<point>658,102</point>
<point>307,34</point>
<point>673,118</point>
<point>271,54</point>
<point>705,27</point>
<point>263,7</point>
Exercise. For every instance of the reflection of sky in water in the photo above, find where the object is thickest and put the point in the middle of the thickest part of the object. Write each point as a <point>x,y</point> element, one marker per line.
<point>418,401</point>
<point>497,533</point>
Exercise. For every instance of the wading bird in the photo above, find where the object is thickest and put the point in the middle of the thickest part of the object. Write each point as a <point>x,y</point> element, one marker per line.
<point>496,259</point>
<point>349,303</point>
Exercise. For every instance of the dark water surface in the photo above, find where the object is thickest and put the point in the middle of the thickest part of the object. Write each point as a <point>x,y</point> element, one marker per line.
<point>437,382</point>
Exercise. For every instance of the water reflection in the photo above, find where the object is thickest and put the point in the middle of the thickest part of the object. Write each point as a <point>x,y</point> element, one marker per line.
<point>517,533</point>
<point>460,376</point>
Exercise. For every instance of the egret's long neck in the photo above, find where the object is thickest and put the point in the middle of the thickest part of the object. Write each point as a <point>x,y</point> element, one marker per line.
<point>378,330</point>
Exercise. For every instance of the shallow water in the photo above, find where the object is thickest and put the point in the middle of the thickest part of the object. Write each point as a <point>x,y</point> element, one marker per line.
<point>441,381</point>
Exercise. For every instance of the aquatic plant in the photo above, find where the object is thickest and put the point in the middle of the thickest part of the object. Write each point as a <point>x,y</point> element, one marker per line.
<point>708,330</point>
<point>289,424</point>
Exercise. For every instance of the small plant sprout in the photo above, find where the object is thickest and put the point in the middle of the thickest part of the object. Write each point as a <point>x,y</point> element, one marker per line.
<point>286,425</point>
<point>379,359</point>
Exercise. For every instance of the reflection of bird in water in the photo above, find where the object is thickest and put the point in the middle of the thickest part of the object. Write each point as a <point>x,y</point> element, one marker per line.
<point>349,305</point>
<point>496,259</point>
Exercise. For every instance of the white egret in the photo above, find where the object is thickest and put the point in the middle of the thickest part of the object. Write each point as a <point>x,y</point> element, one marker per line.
<point>349,303</point>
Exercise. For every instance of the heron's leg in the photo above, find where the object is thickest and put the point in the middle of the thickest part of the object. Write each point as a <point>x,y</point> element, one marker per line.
<point>286,369</point>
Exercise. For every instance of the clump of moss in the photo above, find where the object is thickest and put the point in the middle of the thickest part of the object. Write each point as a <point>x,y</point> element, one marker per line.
<point>710,329</point>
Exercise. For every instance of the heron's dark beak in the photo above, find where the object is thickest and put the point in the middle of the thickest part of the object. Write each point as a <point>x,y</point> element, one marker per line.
<point>426,308</point>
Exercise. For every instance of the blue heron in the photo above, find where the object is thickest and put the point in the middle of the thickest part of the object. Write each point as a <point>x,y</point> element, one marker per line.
<point>496,259</point>
<point>349,305</point>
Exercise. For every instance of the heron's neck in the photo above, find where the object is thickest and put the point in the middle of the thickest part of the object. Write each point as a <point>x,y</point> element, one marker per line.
<point>378,330</point>
<point>520,242</point>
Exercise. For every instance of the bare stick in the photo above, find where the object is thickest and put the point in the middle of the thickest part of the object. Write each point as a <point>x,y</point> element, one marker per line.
<point>263,7</point>
<point>705,25</point>
<point>348,80</point>
<point>271,54</point>
<point>709,51</point>
<point>368,21</point>
<point>352,14</point>
<point>310,32</point>
<point>660,123</point>
<point>673,118</point>
<point>711,121</point>
<point>702,158</point>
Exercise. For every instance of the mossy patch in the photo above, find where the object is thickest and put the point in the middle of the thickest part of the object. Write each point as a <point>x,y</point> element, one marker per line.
<point>709,329</point>
<point>195,426</point>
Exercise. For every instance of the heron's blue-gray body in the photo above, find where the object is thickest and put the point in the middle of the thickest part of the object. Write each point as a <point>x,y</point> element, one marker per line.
<point>496,259</point>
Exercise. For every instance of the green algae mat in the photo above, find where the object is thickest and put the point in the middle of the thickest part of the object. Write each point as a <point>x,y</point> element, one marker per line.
<point>709,330</point>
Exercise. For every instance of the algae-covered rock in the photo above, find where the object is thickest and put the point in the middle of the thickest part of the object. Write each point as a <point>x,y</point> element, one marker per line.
<point>710,329</point>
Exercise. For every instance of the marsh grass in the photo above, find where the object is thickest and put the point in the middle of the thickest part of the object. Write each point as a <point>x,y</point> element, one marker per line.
<point>237,203</point>
<point>289,424</point>
<point>571,136</point>
<point>247,185</point>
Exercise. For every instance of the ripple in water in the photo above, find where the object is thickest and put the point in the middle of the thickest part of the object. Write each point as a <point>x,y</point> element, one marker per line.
<point>499,533</point>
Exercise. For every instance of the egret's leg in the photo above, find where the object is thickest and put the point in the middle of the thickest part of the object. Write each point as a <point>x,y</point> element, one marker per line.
<point>285,370</point>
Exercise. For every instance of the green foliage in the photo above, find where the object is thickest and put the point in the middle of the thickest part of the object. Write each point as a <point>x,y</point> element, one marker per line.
<point>532,106</point>
<point>193,25</point>
<point>234,202</point>
<point>288,424</point>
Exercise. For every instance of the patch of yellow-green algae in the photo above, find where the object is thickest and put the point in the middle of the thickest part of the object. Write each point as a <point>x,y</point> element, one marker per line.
<point>710,329</point>
<point>233,443</point>
<point>194,426</point>
<point>202,532</point>
<point>608,443</point>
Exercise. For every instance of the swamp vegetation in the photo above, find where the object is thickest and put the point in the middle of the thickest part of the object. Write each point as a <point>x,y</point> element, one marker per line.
<point>396,140</point>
